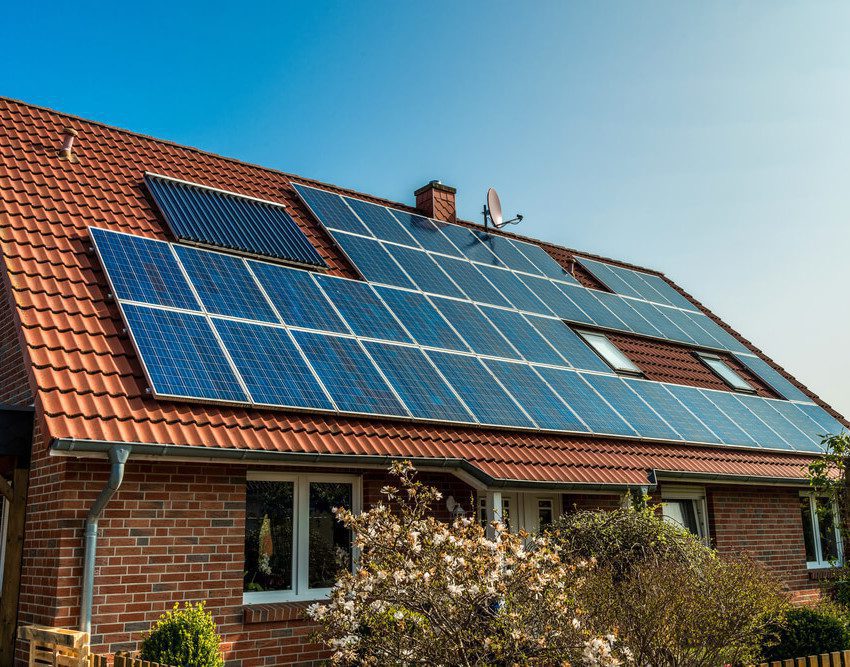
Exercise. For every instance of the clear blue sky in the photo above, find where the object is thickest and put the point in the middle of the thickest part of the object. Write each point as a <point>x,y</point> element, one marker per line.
<point>709,140</point>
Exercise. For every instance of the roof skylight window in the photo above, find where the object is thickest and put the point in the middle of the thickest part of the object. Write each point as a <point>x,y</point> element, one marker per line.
<point>610,353</point>
<point>725,372</point>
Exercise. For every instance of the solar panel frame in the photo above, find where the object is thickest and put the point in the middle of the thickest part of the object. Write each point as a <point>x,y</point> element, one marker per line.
<point>120,254</point>
<point>182,356</point>
<point>508,255</point>
<point>224,284</point>
<point>568,344</point>
<point>666,328</point>
<point>772,378</point>
<point>523,336</point>
<point>514,290</point>
<point>380,222</point>
<point>762,435</point>
<point>362,310</point>
<point>274,369</point>
<point>786,429</point>
<point>330,210</point>
<point>726,340</point>
<point>475,329</point>
<point>479,389</point>
<point>605,274</point>
<point>469,245</point>
<point>418,383</point>
<point>536,397</point>
<point>427,232</point>
<point>306,306</point>
<point>718,421</point>
<point>371,259</point>
<point>201,214</point>
<point>631,407</point>
<point>421,319</point>
<point>556,300</point>
<point>792,412</point>
<point>353,381</point>
<point>594,308</point>
<point>470,280</point>
<point>630,317</point>
<point>829,424</point>
<point>673,411</point>
<point>546,264</point>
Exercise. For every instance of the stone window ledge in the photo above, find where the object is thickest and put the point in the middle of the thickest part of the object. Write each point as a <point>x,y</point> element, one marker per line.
<point>274,612</point>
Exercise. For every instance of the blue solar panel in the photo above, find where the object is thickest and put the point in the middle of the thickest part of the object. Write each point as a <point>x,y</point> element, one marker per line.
<point>545,263</point>
<point>727,340</point>
<point>727,430</point>
<point>380,221</point>
<point>475,329</point>
<point>479,390</point>
<point>471,280</point>
<point>423,271</point>
<point>829,424</point>
<point>348,374</point>
<point>594,412</point>
<point>142,269</point>
<point>271,366</point>
<point>331,210</point>
<point>568,344</point>
<point>746,420</point>
<point>421,319</point>
<point>506,252</point>
<point>372,260</point>
<point>427,232</point>
<point>606,274</point>
<point>555,299</point>
<point>666,290</point>
<point>638,285</point>
<point>773,418</point>
<point>297,298</point>
<point>535,396</point>
<point>803,422</point>
<point>587,301</point>
<point>181,354</point>
<point>523,336</point>
<point>622,308</point>
<point>204,215</point>
<point>691,331</point>
<point>654,314</point>
<point>225,285</point>
<point>420,386</point>
<point>514,290</point>
<point>672,411</point>
<point>361,308</point>
<point>633,409</point>
<point>773,378</point>
<point>469,245</point>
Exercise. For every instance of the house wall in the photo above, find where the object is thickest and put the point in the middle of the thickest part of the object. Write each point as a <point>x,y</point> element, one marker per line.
<point>174,532</point>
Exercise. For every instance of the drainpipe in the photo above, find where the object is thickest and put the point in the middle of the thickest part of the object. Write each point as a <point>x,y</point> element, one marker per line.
<point>118,455</point>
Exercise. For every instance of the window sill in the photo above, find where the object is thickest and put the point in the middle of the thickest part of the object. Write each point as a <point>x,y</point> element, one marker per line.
<point>822,572</point>
<point>274,612</point>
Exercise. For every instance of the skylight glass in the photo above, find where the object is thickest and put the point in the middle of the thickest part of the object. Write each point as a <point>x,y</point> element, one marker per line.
<point>610,353</point>
<point>725,373</point>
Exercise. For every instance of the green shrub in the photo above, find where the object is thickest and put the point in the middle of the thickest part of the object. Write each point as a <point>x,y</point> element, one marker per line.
<point>184,638</point>
<point>840,590</point>
<point>809,631</point>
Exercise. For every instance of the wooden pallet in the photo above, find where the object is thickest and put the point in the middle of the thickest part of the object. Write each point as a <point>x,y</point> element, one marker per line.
<point>835,659</point>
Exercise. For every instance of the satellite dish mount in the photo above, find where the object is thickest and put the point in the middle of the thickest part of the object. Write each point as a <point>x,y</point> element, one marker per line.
<point>493,212</point>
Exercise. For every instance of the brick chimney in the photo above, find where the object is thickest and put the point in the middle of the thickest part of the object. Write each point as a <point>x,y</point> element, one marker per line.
<point>437,201</point>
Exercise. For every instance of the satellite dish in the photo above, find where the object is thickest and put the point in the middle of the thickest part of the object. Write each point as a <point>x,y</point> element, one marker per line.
<point>493,211</point>
<point>494,207</point>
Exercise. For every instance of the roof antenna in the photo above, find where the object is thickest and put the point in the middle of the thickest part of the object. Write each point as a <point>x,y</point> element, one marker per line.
<point>493,212</point>
<point>66,152</point>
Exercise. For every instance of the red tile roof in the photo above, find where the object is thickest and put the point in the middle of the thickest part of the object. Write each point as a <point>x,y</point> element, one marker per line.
<point>89,383</point>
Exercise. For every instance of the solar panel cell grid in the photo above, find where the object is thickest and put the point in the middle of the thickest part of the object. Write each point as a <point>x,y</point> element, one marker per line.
<point>471,281</point>
<point>365,314</point>
<point>726,429</point>
<point>380,222</point>
<point>773,418</point>
<point>475,329</point>
<point>672,411</point>
<point>469,245</point>
<point>424,271</point>
<point>602,316</point>
<point>523,336</point>
<point>545,263</point>
<point>773,378</point>
<point>427,232</point>
<point>144,270</point>
<point>225,285</point>
<point>349,375</point>
<point>514,290</point>
<point>421,319</point>
<point>331,210</point>
<point>479,390</point>
<point>647,423</point>
<point>372,260</point>
<point>556,300</point>
<point>760,433</point>
<point>568,344</point>
<point>271,366</point>
<point>182,356</point>
<point>803,422</point>
<point>506,252</point>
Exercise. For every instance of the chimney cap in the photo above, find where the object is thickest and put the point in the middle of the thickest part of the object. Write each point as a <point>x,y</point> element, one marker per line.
<point>435,185</point>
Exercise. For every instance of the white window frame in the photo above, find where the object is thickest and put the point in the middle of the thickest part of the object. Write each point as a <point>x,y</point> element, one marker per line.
<point>523,508</point>
<point>610,353</point>
<point>696,495</point>
<point>820,563</point>
<point>735,382</point>
<point>301,533</point>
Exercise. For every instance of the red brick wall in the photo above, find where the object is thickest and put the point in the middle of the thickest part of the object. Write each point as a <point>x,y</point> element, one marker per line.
<point>765,523</point>
<point>174,532</point>
<point>578,502</point>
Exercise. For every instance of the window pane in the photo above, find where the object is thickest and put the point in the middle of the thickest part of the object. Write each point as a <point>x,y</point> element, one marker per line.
<point>808,529</point>
<point>544,514</point>
<point>683,514</point>
<point>726,374</point>
<point>826,525</point>
<point>610,352</point>
<point>330,541</point>
<point>506,513</point>
<point>268,536</point>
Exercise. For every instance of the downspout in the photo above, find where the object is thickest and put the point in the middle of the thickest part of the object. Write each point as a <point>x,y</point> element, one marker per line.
<point>118,455</point>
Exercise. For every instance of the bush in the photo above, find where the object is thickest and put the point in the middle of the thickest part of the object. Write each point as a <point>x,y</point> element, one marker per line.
<point>808,631</point>
<point>673,600</point>
<point>184,638</point>
<point>427,592</point>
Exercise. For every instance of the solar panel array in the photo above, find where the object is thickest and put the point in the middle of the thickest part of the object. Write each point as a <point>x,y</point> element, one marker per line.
<point>214,327</point>
<point>401,249</point>
<point>209,216</point>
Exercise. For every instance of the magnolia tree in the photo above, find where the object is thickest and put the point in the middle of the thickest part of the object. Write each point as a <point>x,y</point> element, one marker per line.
<point>429,592</point>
